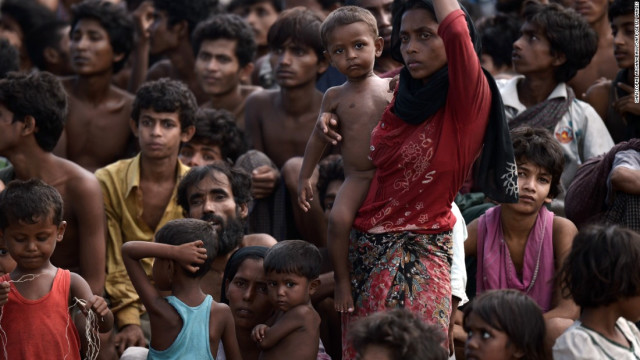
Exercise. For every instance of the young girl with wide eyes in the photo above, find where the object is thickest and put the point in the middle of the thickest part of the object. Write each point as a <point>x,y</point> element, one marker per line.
<point>504,325</point>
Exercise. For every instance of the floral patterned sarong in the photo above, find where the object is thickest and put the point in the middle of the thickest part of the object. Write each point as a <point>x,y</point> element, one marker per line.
<point>400,270</point>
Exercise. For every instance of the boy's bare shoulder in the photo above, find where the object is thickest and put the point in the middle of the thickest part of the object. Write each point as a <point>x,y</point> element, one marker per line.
<point>262,97</point>
<point>563,227</point>
<point>306,312</point>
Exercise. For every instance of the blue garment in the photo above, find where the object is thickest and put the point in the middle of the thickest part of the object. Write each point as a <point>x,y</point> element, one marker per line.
<point>193,340</point>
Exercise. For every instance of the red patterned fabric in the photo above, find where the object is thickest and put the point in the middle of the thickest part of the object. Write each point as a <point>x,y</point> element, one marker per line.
<point>420,168</point>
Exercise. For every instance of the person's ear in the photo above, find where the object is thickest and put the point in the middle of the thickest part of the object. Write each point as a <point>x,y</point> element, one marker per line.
<point>323,65</point>
<point>243,210</point>
<point>245,73</point>
<point>379,44</point>
<point>548,199</point>
<point>29,126</point>
<point>559,59</point>
<point>313,286</point>
<point>327,57</point>
<point>60,231</point>
<point>187,133</point>
<point>134,127</point>
<point>118,57</point>
<point>181,28</point>
<point>518,354</point>
<point>51,55</point>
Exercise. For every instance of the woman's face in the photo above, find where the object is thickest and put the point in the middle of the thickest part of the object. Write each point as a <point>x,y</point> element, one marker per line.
<point>421,47</point>
<point>247,294</point>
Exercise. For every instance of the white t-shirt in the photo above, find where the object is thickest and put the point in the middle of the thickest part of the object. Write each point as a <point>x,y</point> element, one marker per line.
<point>579,342</point>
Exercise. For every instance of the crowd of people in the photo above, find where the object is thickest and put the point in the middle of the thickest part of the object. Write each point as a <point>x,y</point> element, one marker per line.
<point>313,179</point>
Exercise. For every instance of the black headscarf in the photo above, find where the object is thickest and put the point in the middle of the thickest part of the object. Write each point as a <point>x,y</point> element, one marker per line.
<point>495,170</point>
<point>234,262</point>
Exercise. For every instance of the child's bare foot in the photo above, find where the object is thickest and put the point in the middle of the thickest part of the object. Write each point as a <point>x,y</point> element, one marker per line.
<point>342,299</point>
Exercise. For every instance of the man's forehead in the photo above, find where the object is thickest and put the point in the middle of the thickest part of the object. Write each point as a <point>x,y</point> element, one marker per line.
<point>214,181</point>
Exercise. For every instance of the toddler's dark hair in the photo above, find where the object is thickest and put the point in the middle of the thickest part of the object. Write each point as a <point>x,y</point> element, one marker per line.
<point>294,256</point>
<point>29,202</point>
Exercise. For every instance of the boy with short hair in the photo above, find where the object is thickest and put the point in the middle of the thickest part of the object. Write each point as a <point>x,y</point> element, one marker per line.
<point>36,318</point>
<point>521,246</point>
<point>188,323</point>
<point>100,41</point>
<point>555,43</point>
<point>260,15</point>
<point>350,37</point>
<point>292,268</point>
<point>33,108</point>
<point>170,36</point>
<point>49,51</point>
<point>279,122</point>
<point>139,193</point>
<point>614,100</point>
<point>224,48</point>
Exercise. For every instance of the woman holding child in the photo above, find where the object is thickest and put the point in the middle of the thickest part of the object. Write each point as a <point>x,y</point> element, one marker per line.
<point>400,249</point>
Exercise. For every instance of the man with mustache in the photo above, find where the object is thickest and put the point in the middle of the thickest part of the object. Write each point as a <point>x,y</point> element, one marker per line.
<point>220,194</point>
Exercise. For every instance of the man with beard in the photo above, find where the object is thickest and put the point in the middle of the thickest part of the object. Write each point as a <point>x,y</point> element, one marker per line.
<point>220,194</point>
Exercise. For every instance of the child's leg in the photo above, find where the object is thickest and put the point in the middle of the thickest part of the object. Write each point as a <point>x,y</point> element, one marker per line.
<point>348,201</point>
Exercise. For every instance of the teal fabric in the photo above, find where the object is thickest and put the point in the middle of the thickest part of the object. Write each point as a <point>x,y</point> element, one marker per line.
<point>193,340</point>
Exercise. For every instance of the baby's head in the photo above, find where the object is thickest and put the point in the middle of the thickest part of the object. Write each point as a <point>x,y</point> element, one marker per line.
<point>536,146</point>
<point>603,267</point>
<point>397,335</point>
<point>292,268</point>
<point>183,231</point>
<point>350,39</point>
<point>494,322</point>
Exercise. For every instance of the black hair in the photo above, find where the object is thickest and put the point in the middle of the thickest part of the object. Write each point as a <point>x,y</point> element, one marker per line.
<point>400,7</point>
<point>29,14</point>
<point>568,33</point>
<point>49,35</point>
<point>166,95</point>
<point>620,8</point>
<point>114,19</point>
<point>538,146</point>
<point>191,11</point>
<point>497,34</point>
<point>183,231</point>
<point>402,332</point>
<point>294,256</point>
<point>234,263</point>
<point>301,26</point>
<point>234,5</point>
<point>507,310</point>
<point>40,95</point>
<point>218,128</point>
<point>9,58</point>
<point>29,202</point>
<point>229,27</point>
<point>329,169</point>
<point>602,266</point>
<point>239,180</point>
<point>346,15</point>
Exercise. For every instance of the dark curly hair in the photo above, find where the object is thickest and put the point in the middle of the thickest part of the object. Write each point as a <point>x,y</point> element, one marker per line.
<point>239,180</point>
<point>568,33</point>
<point>497,34</point>
<point>402,332</point>
<point>166,95</point>
<point>230,27</point>
<point>294,256</point>
<point>508,310</point>
<point>29,202</point>
<point>183,231</point>
<point>40,95</point>
<point>191,11</point>
<point>536,145</point>
<point>602,266</point>
<point>114,19</point>
<point>218,128</point>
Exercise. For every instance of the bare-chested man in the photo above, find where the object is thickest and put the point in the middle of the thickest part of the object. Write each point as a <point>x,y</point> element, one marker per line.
<point>170,35</point>
<point>224,48</point>
<point>97,131</point>
<point>279,122</point>
<point>139,193</point>
<point>32,112</point>
<point>603,64</point>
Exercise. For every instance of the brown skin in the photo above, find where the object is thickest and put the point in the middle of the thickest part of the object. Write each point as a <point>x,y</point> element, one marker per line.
<point>173,262</point>
<point>84,246</point>
<point>234,102</point>
<point>98,112</point>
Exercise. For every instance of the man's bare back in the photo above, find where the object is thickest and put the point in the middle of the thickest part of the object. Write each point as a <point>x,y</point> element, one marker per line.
<point>96,134</point>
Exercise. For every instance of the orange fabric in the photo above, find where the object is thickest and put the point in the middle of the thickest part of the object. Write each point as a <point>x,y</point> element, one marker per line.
<point>43,328</point>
